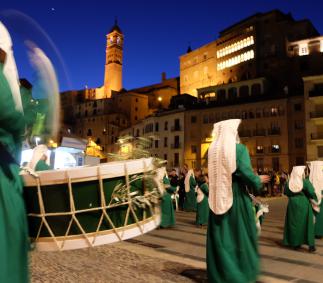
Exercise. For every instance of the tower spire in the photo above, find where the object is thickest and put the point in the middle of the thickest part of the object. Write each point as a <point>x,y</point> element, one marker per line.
<point>189,48</point>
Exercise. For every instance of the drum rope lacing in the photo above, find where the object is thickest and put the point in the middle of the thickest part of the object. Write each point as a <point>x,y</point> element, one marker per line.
<point>103,207</point>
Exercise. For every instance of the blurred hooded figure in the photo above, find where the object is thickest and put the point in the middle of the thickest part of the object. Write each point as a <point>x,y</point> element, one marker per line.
<point>232,242</point>
<point>167,209</point>
<point>202,211</point>
<point>13,217</point>
<point>299,220</point>
<point>316,178</point>
<point>39,160</point>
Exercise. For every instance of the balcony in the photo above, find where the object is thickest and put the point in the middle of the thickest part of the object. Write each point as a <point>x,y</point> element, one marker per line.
<point>315,93</point>
<point>259,133</point>
<point>273,132</point>
<point>175,145</point>
<point>260,151</point>
<point>275,148</point>
<point>176,129</point>
<point>316,114</point>
<point>316,136</point>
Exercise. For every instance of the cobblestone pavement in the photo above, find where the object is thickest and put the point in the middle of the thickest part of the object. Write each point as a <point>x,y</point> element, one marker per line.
<point>108,263</point>
<point>176,255</point>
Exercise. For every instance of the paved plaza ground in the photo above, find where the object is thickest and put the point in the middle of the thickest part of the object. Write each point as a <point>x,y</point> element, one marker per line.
<point>176,255</point>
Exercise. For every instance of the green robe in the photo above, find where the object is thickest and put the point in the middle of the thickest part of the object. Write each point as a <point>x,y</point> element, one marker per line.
<point>319,221</point>
<point>202,213</point>
<point>232,242</point>
<point>13,217</point>
<point>167,209</point>
<point>299,220</point>
<point>190,197</point>
<point>42,166</point>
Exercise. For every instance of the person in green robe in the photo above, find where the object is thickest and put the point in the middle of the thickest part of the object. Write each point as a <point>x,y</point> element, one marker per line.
<point>190,189</point>
<point>13,218</point>
<point>319,221</point>
<point>39,159</point>
<point>299,220</point>
<point>316,178</point>
<point>232,242</point>
<point>42,165</point>
<point>202,212</point>
<point>167,208</point>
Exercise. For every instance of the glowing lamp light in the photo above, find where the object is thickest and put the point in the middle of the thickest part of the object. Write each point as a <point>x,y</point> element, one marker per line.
<point>160,99</point>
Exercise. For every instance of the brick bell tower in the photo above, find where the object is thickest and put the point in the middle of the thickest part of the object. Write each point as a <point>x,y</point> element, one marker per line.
<point>113,62</point>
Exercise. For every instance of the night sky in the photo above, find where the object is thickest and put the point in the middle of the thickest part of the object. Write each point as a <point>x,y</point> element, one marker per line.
<point>156,33</point>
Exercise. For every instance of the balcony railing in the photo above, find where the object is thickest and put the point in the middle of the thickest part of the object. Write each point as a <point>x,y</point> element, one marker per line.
<point>176,128</point>
<point>272,149</point>
<point>316,114</point>
<point>315,92</point>
<point>259,133</point>
<point>175,145</point>
<point>245,134</point>
<point>317,136</point>
<point>273,132</point>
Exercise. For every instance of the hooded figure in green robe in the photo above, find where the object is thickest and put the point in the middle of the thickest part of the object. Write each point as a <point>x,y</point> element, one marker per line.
<point>13,217</point>
<point>39,160</point>
<point>190,189</point>
<point>202,212</point>
<point>316,178</point>
<point>232,242</point>
<point>167,208</point>
<point>299,220</point>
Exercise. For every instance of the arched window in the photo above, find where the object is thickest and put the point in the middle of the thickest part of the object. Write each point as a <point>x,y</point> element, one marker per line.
<point>221,95</point>
<point>255,89</point>
<point>244,91</point>
<point>232,93</point>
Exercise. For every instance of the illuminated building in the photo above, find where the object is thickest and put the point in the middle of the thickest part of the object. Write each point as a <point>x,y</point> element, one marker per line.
<point>254,47</point>
<point>313,86</point>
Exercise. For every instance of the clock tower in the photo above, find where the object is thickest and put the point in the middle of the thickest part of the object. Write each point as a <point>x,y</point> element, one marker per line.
<point>113,61</point>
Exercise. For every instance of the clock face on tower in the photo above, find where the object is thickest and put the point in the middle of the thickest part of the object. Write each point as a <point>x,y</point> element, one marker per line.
<point>111,39</point>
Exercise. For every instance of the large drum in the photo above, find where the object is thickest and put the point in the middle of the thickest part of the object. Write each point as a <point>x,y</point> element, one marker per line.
<point>90,206</point>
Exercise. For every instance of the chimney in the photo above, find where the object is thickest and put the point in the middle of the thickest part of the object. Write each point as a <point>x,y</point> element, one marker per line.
<point>163,76</point>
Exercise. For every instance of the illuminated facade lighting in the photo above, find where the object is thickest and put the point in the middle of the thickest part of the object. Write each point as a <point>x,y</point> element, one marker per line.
<point>236,60</point>
<point>235,46</point>
<point>303,49</point>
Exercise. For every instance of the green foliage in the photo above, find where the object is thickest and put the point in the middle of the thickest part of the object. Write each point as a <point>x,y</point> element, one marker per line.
<point>138,148</point>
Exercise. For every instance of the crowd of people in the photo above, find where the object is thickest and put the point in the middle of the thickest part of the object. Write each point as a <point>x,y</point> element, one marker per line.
<point>223,201</point>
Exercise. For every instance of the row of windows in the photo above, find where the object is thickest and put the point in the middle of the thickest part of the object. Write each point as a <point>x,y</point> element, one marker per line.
<point>151,127</point>
<point>273,130</point>
<point>246,56</point>
<point>304,48</point>
<point>275,148</point>
<point>235,46</point>
<point>259,113</point>
<point>117,120</point>
<point>91,104</point>
<point>175,145</point>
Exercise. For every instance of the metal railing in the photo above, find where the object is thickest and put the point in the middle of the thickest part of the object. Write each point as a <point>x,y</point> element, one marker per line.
<point>176,129</point>
<point>175,145</point>
<point>316,136</point>
<point>316,114</point>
